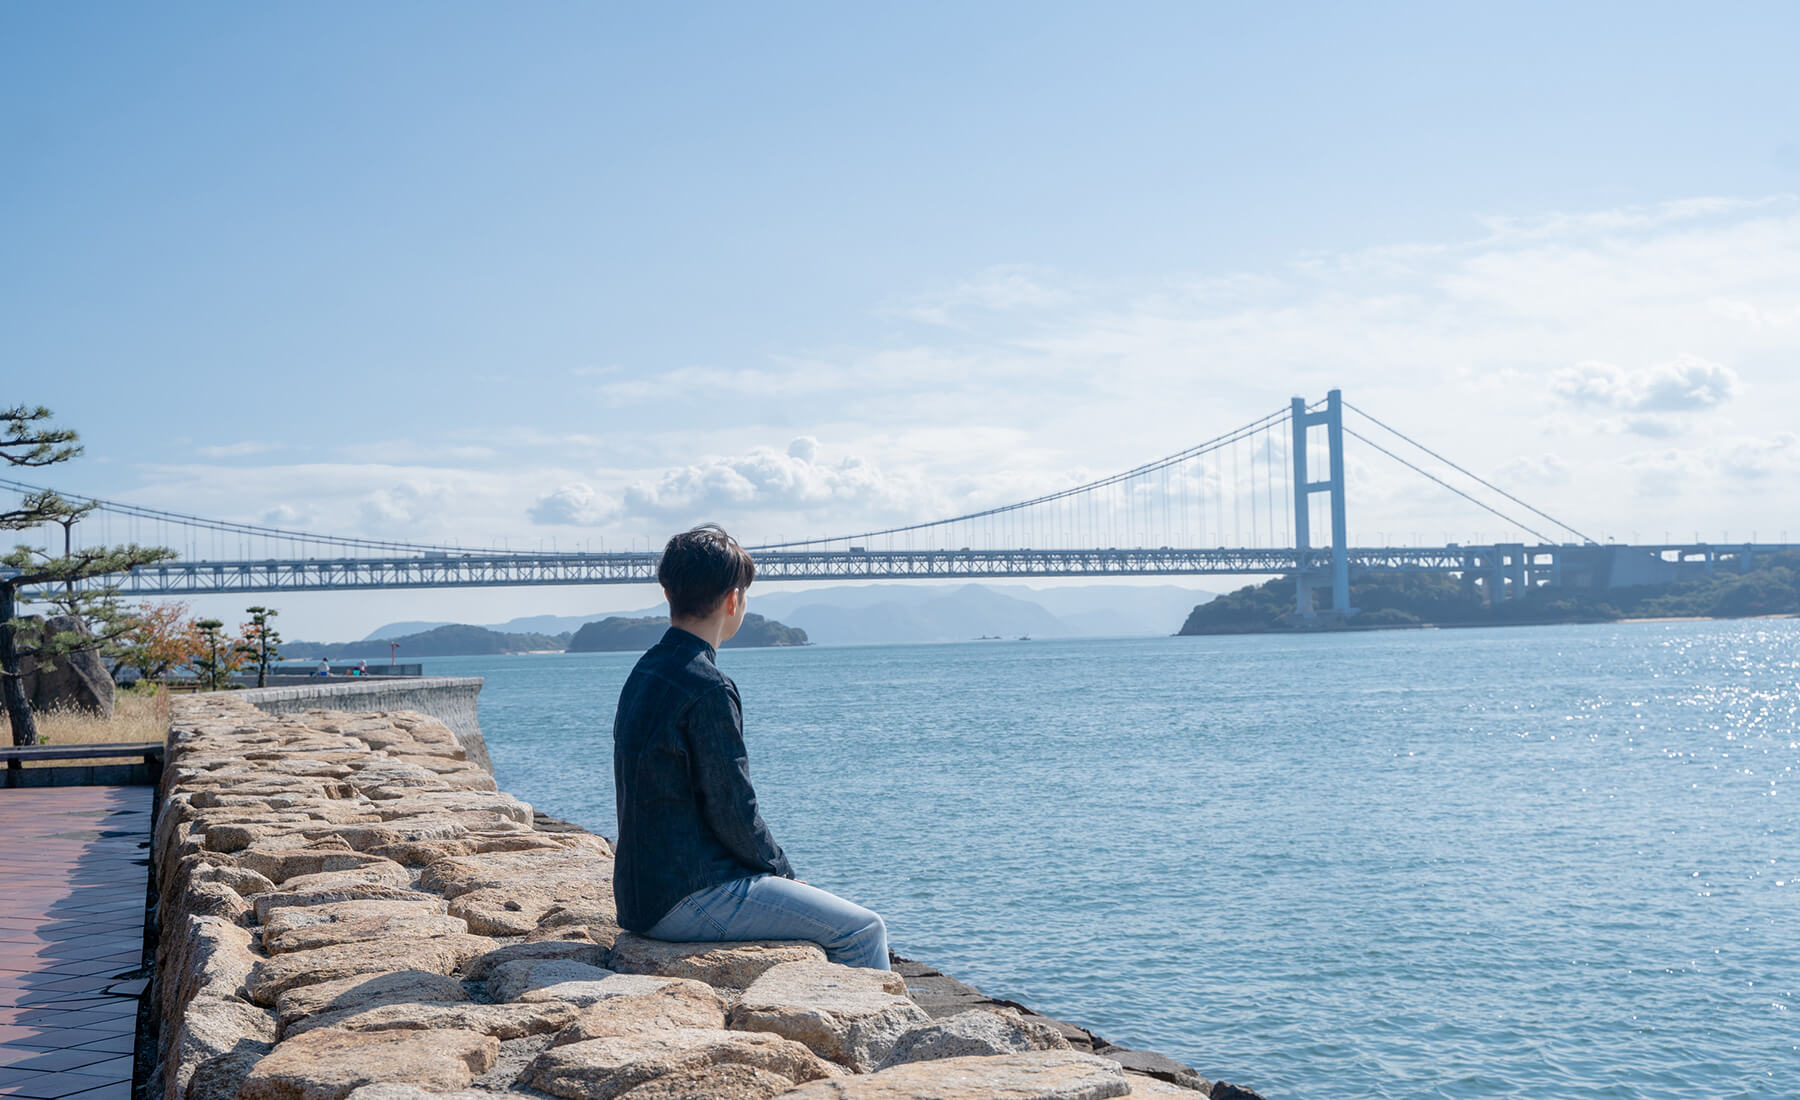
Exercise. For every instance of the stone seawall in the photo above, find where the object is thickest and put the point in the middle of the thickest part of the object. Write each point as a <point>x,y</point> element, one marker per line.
<point>449,699</point>
<point>348,907</point>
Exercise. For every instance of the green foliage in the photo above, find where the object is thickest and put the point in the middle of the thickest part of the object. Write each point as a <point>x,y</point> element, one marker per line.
<point>623,635</point>
<point>220,659</point>
<point>1403,599</point>
<point>260,642</point>
<point>42,575</point>
<point>454,640</point>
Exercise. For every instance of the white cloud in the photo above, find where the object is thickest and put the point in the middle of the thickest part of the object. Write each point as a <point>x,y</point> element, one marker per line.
<point>1688,384</point>
<point>240,449</point>
<point>575,504</point>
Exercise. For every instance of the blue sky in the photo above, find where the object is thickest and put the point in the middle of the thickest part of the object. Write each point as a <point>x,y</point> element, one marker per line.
<point>584,271</point>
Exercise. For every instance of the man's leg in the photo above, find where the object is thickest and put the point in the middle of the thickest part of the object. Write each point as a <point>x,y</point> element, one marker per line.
<point>770,908</point>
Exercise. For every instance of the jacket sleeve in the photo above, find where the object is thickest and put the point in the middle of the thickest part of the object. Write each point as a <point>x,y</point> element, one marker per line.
<point>722,781</point>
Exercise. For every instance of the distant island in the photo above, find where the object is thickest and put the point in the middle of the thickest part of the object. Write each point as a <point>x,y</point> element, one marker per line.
<point>618,633</point>
<point>1433,599</point>
<point>452,640</point>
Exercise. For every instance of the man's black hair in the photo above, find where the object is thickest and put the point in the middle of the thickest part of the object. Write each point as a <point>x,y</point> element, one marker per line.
<point>699,567</point>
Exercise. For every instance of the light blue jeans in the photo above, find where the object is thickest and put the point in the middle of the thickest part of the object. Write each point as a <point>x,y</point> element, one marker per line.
<point>767,907</point>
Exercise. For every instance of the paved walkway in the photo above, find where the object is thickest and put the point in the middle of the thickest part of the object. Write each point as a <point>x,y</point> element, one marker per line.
<point>73,868</point>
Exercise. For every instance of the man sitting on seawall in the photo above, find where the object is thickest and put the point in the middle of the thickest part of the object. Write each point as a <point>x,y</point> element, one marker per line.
<point>695,863</point>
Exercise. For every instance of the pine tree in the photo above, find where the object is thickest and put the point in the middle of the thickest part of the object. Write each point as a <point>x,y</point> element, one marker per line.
<point>261,641</point>
<point>30,573</point>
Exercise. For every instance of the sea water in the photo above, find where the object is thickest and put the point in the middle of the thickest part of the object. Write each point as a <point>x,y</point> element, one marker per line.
<point>1457,863</point>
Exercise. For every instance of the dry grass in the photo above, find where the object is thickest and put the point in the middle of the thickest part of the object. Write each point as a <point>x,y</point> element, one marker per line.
<point>137,716</point>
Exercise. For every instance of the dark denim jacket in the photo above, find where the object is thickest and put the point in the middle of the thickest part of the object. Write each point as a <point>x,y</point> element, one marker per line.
<point>687,813</point>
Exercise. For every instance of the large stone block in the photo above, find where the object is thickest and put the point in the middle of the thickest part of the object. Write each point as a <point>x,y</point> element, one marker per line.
<point>510,980</point>
<point>851,1015</point>
<point>516,910</point>
<point>210,1027</point>
<point>509,1021</point>
<point>362,991</point>
<point>600,1069</point>
<point>724,965</point>
<point>478,968</point>
<point>439,955</point>
<point>675,1003</point>
<point>305,927</point>
<point>546,869</point>
<point>974,1033</point>
<point>1038,1075</point>
<point>328,1064</point>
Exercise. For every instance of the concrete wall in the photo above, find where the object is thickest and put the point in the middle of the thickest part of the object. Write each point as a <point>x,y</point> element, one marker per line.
<point>449,699</point>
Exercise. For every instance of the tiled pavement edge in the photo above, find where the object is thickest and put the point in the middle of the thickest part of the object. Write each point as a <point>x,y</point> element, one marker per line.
<point>73,872</point>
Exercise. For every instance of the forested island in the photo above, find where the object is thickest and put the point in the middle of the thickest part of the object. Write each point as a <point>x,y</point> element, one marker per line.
<point>1433,599</point>
<point>454,640</point>
<point>615,634</point>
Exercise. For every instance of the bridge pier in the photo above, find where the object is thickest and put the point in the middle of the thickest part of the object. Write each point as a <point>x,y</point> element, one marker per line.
<point>1333,420</point>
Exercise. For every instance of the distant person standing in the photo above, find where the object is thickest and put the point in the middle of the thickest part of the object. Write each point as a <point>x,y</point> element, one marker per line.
<point>695,861</point>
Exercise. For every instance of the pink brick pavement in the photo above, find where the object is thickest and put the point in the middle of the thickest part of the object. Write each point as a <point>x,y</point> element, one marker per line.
<point>73,870</point>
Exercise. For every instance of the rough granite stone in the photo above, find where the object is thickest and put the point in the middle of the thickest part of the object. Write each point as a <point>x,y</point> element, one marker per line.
<point>326,893</point>
<point>726,1082</point>
<point>851,1015</point>
<point>510,980</point>
<point>478,968</point>
<point>723,965</point>
<point>1155,1065</point>
<point>509,1021</point>
<point>593,991</point>
<point>677,1003</point>
<point>600,1069</point>
<point>1145,1087</point>
<point>439,954</point>
<point>1036,1075</point>
<point>328,1064</point>
<point>361,991</point>
<point>220,1077</point>
<point>210,1027</point>
<point>539,869</point>
<point>353,922</point>
<point>973,1033</point>
<point>516,910</point>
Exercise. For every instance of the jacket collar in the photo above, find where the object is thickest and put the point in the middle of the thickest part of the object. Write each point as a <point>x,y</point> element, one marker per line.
<point>689,642</point>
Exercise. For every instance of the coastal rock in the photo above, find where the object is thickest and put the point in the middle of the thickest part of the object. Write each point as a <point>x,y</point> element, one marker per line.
<point>245,882</point>
<point>220,1077</point>
<point>973,1033</point>
<point>423,853</point>
<point>516,910</point>
<point>439,954</point>
<point>1155,1065</point>
<point>332,855</point>
<point>726,1082</point>
<point>77,680</point>
<point>212,899</point>
<point>724,965</point>
<point>509,980</point>
<point>677,1003</point>
<point>594,990</point>
<point>303,928</point>
<point>211,1027</point>
<point>851,1015</point>
<point>508,1021</point>
<point>328,1064</point>
<point>546,869</point>
<point>478,968</point>
<point>215,961</point>
<point>600,1069</point>
<point>1224,1090</point>
<point>1145,1087</point>
<point>364,991</point>
<point>326,893</point>
<point>1036,1075</point>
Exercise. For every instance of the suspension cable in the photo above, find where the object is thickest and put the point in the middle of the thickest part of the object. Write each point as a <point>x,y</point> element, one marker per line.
<point>1135,472</point>
<point>1467,473</point>
<point>1418,470</point>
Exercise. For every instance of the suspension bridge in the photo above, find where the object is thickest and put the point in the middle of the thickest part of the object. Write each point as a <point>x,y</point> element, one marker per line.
<point>1246,502</point>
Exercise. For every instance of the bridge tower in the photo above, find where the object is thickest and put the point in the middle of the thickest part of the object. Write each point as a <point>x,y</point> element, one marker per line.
<point>1332,417</point>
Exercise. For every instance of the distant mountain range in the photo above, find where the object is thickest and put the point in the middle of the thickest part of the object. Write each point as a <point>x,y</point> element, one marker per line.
<point>853,614</point>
